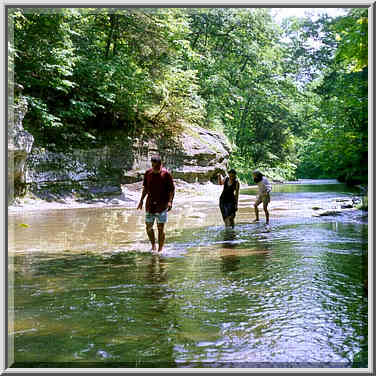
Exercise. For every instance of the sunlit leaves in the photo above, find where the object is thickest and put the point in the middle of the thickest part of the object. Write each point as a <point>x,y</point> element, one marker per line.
<point>352,32</point>
<point>338,146</point>
<point>40,110</point>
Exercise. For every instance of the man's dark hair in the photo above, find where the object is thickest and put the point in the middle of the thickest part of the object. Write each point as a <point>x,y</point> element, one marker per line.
<point>156,158</point>
<point>257,176</point>
<point>232,171</point>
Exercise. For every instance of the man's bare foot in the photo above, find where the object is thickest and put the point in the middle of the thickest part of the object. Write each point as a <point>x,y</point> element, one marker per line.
<point>255,221</point>
<point>153,248</point>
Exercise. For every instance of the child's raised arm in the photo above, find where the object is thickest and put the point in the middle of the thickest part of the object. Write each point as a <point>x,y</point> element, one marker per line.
<point>220,179</point>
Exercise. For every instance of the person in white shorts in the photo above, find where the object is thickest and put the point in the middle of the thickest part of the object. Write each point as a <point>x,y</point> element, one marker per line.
<point>263,196</point>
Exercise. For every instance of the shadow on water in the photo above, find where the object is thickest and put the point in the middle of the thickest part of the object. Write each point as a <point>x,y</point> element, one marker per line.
<point>248,297</point>
<point>230,262</point>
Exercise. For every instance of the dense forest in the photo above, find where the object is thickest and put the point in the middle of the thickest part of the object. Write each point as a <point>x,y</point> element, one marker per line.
<point>292,98</point>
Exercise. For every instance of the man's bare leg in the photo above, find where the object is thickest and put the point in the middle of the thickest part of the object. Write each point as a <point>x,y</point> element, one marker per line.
<point>266,213</point>
<point>151,235</point>
<point>161,236</point>
<point>256,213</point>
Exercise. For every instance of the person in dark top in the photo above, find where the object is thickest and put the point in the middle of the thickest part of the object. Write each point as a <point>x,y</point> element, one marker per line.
<point>228,201</point>
<point>159,188</point>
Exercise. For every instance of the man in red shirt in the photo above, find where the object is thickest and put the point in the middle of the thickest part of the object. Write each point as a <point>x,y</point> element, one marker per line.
<point>160,189</point>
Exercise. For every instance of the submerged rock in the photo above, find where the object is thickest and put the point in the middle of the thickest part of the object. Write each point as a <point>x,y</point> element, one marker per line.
<point>322,213</point>
<point>347,206</point>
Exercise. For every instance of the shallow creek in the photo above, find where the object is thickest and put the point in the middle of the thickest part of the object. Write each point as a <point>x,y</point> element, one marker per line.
<point>87,291</point>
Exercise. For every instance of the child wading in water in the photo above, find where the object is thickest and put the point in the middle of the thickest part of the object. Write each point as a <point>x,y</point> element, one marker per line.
<point>263,196</point>
<point>228,202</point>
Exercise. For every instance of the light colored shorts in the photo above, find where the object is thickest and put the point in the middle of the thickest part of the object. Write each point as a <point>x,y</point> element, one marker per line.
<point>265,199</point>
<point>160,217</point>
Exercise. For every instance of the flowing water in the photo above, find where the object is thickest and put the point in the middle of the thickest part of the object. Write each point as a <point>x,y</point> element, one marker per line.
<point>87,291</point>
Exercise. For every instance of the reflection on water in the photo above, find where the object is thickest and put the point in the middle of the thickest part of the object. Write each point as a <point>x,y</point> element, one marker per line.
<point>242,297</point>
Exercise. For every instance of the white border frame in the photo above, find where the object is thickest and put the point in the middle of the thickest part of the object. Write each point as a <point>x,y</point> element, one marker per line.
<point>196,3</point>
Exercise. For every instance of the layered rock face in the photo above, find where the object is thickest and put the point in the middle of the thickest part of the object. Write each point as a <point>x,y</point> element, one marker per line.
<point>197,155</point>
<point>20,143</point>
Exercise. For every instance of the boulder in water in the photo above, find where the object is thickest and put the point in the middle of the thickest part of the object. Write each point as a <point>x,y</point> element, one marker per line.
<point>327,212</point>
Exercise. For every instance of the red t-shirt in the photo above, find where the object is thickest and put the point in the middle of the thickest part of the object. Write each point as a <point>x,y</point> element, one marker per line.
<point>158,186</point>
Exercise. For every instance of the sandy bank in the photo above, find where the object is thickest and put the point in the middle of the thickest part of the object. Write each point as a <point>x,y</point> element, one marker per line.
<point>131,193</point>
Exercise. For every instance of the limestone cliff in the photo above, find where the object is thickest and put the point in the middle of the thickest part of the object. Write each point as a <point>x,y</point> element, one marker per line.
<point>196,155</point>
<point>19,146</point>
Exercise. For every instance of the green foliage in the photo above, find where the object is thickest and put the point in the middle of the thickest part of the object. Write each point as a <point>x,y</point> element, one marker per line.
<point>242,83</point>
<point>292,99</point>
<point>105,69</point>
<point>244,167</point>
<point>337,145</point>
<point>40,112</point>
<point>352,34</point>
<point>178,99</point>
